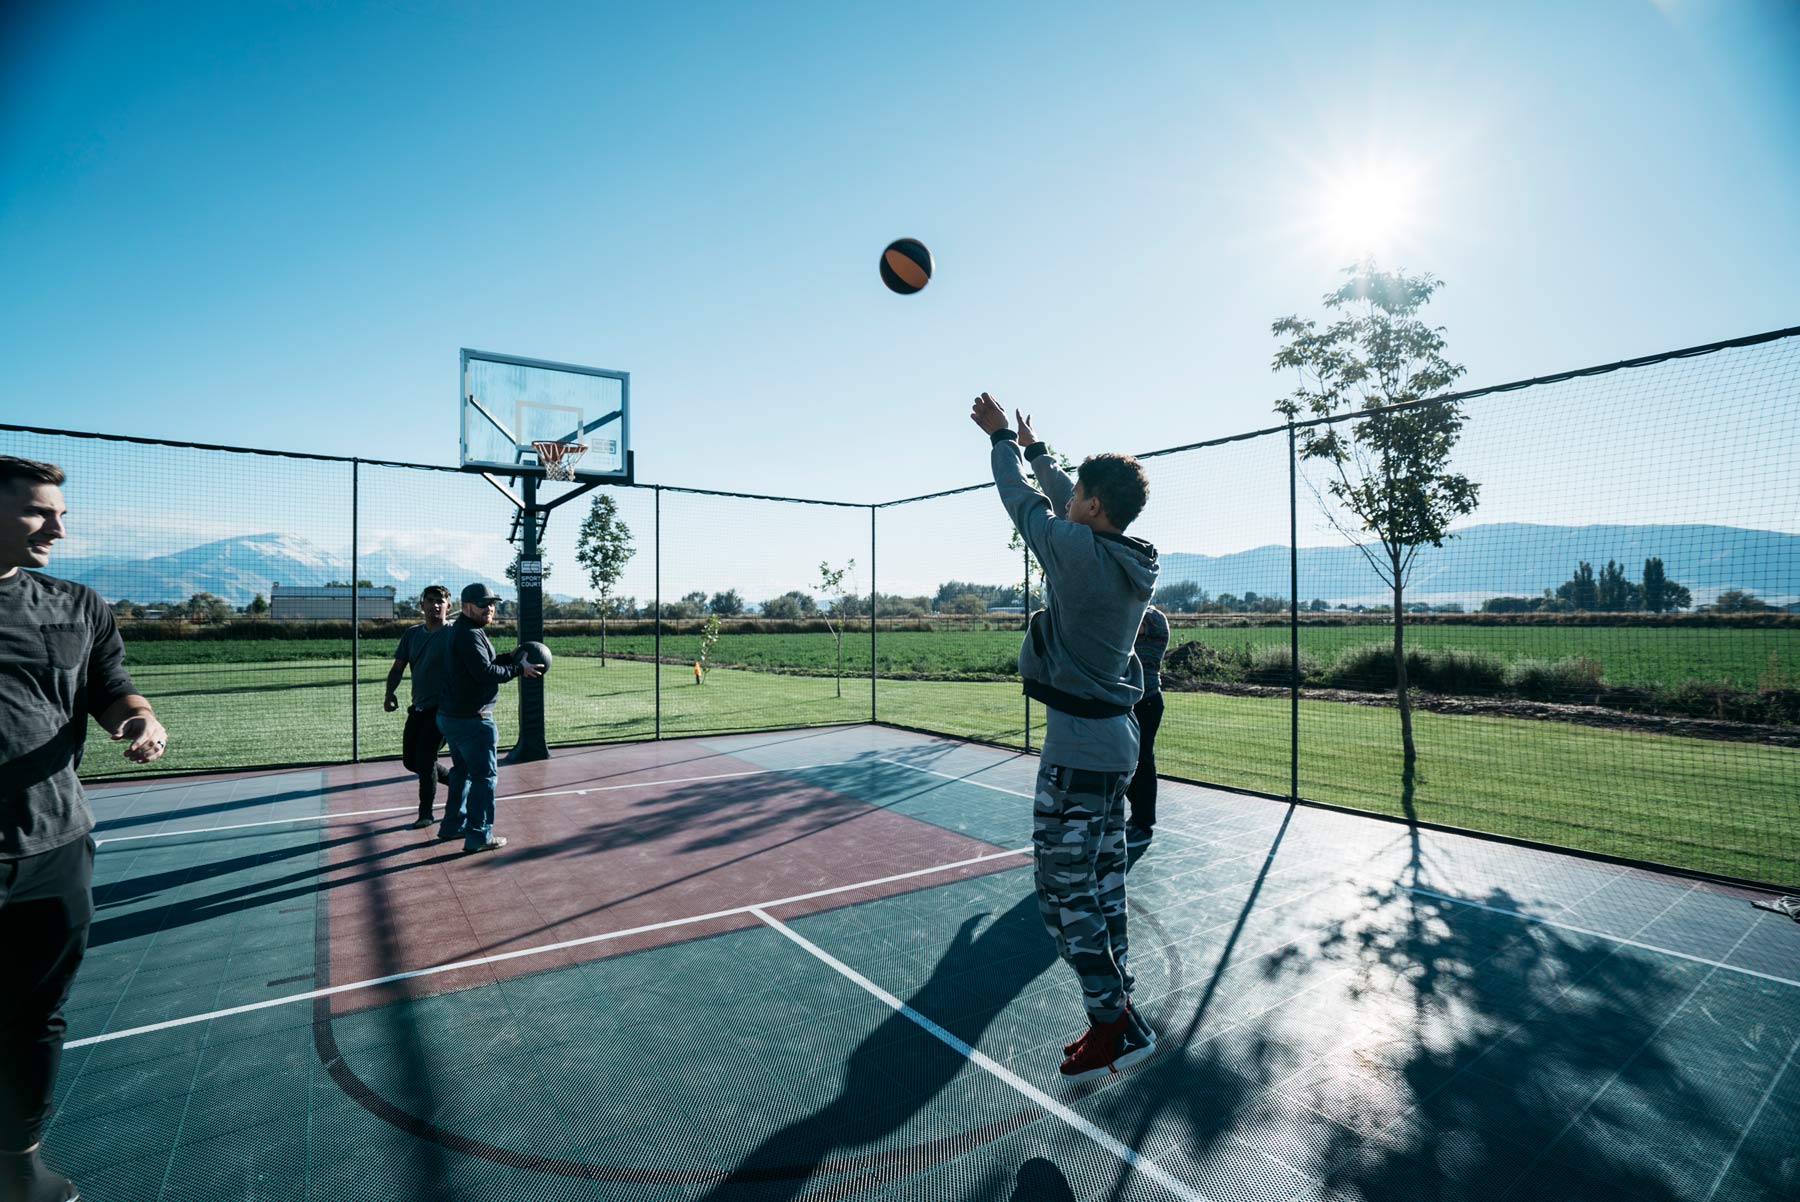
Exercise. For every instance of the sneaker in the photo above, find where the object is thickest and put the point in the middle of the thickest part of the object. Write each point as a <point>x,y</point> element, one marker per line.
<point>424,821</point>
<point>1137,837</point>
<point>1109,1048</point>
<point>493,844</point>
<point>444,836</point>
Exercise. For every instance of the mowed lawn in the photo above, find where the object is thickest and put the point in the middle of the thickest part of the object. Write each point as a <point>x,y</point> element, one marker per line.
<point>1716,806</point>
<point>1642,656</point>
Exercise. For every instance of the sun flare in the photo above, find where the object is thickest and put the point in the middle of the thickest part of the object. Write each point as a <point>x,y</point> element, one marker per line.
<point>1370,210</point>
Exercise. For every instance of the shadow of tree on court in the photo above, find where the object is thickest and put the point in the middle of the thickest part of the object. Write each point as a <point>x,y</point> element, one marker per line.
<point>1419,1048</point>
<point>113,923</point>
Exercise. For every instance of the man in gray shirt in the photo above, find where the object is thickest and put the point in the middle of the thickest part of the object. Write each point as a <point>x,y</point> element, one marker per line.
<point>61,662</point>
<point>420,650</point>
<point>1077,659</point>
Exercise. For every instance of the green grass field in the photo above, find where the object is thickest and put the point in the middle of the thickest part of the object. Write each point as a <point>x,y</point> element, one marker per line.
<point>1644,656</point>
<point>1721,807</point>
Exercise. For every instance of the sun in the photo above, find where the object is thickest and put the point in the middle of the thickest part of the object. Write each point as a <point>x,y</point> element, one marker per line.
<point>1370,210</point>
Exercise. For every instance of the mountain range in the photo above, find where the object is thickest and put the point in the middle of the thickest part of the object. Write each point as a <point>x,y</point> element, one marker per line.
<point>1502,559</point>
<point>1513,559</point>
<point>237,569</point>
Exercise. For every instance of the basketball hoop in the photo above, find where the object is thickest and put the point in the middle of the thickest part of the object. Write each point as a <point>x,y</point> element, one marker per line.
<point>558,458</point>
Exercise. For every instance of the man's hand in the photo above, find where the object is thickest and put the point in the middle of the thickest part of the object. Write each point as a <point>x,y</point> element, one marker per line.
<point>148,738</point>
<point>1022,423</point>
<point>529,670</point>
<point>390,703</point>
<point>987,414</point>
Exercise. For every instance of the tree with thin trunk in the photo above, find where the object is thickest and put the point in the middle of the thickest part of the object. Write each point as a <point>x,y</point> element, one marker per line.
<point>1387,458</point>
<point>831,588</point>
<point>604,547</point>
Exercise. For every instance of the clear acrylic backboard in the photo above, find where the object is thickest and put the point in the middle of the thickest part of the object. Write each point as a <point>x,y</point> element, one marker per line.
<point>508,403</point>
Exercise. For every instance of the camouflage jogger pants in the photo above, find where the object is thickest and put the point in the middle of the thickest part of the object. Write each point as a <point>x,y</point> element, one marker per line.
<point>1078,842</point>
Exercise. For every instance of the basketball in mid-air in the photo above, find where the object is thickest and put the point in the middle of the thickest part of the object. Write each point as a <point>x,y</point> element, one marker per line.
<point>535,653</point>
<point>906,265</point>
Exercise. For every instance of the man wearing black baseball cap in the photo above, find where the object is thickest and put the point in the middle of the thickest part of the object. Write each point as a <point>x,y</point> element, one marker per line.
<point>472,679</point>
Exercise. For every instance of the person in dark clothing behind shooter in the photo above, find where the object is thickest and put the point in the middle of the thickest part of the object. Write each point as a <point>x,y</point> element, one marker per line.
<point>61,662</point>
<point>1152,644</point>
<point>418,650</point>
<point>1077,659</point>
<point>472,679</point>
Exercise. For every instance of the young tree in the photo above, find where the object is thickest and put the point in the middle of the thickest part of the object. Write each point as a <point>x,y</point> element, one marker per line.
<point>709,638</point>
<point>831,588</point>
<point>603,548</point>
<point>1389,469</point>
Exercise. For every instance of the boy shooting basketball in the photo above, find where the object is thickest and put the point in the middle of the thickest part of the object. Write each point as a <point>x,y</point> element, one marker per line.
<point>1077,659</point>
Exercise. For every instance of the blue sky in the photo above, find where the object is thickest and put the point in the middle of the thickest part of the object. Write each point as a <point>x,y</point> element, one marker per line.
<point>274,224</point>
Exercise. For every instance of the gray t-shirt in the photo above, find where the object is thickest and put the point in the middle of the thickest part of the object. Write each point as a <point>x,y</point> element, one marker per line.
<point>61,661</point>
<point>423,650</point>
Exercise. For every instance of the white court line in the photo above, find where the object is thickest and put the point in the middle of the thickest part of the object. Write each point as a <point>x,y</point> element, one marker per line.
<point>535,951</point>
<point>1569,926</point>
<point>1038,1097</point>
<point>1750,1123</point>
<point>683,780</point>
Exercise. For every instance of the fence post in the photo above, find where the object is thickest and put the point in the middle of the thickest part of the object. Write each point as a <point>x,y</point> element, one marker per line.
<point>1026,606</point>
<point>1293,620</point>
<point>355,612</point>
<point>656,608</point>
<point>874,594</point>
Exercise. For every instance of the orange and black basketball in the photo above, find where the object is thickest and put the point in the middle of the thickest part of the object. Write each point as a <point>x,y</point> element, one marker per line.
<point>906,265</point>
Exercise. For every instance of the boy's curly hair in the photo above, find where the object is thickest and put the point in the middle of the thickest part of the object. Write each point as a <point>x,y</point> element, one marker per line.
<point>1119,483</point>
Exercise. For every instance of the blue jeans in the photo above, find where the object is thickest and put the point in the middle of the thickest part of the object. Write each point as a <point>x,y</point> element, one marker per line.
<point>474,771</point>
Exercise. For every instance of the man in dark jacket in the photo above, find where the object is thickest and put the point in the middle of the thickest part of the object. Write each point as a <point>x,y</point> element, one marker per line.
<point>61,662</point>
<point>472,679</point>
<point>1077,659</point>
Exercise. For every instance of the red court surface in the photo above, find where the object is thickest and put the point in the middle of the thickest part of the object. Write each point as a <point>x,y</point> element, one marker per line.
<point>662,832</point>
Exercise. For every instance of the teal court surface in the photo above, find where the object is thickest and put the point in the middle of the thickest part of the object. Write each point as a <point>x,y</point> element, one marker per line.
<point>809,965</point>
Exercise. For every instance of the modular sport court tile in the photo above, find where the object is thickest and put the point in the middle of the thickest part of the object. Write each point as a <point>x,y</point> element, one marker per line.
<point>810,965</point>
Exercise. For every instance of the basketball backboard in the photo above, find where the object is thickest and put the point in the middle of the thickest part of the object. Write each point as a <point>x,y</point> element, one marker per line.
<point>508,403</point>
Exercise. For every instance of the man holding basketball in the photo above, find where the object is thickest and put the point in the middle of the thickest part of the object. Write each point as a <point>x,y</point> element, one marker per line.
<point>1077,659</point>
<point>61,662</point>
<point>418,650</point>
<point>472,679</point>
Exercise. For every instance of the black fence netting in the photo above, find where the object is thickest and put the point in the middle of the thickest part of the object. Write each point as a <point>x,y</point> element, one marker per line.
<point>1603,653</point>
<point>952,582</point>
<point>764,613</point>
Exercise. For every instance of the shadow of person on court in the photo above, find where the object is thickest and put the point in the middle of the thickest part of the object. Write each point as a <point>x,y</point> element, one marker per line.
<point>1039,1180</point>
<point>900,1068</point>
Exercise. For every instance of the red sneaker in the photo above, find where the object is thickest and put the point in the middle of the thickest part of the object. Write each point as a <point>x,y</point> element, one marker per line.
<point>1109,1048</point>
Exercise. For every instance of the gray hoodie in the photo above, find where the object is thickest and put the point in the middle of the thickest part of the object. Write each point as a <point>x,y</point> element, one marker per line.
<point>1078,655</point>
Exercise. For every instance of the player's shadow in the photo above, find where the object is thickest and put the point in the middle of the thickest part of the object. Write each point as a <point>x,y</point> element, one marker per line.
<point>900,1068</point>
<point>126,821</point>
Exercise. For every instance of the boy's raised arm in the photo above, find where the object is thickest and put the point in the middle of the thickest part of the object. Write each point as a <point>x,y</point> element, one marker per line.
<point>1029,509</point>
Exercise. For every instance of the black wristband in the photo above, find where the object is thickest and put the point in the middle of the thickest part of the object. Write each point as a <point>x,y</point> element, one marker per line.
<point>1003,435</point>
<point>1035,449</point>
